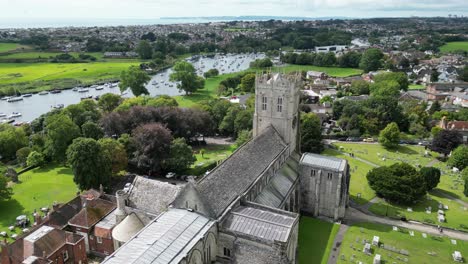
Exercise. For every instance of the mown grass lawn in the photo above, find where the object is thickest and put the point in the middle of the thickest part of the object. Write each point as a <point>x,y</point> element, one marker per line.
<point>212,153</point>
<point>455,46</point>
<point>358,183</point>
<point>417,246</point>
<point>378,155</point>
<point>456,215</point>
<point>315,240</point>
<point>331,71</point>
<point>37,188</point>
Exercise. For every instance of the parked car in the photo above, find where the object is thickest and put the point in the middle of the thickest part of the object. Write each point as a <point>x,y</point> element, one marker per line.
<point>368,140</point>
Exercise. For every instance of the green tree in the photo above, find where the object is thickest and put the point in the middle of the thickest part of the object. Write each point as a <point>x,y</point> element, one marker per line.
<point>434,76</point>
<point>359,87</point>
<point>400,183</point>
<point>91,167</point>
<point>371,60</point>
<point>60,133</point>
<point>135,79</point>
<point>35,159</point>
<point>459,158</point>
<point>211,73</point>
<point>108,102</point>
<point>464,75</point>
<point>22,155</point>
<point>311,133</point>
<point>242,137</point>
<point>162,100</point>
<point>389,137</point>
<point>180,156</point>
<point>11,139</point>
<point>400,77</point>
<point>185,73</point>
<point>446,141</point>
<point>436,130</point>
<point>92,130</point>
<point>385,89</point>
<point>248,83</point>
<point>435,107</point>
<point>431,176</point>
<point>144,50</point>
<point>5,191</point>
<point>227,126</point>
<point>116,153</point>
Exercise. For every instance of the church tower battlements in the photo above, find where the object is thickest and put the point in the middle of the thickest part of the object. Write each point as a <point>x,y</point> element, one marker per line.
<point>277,98</point>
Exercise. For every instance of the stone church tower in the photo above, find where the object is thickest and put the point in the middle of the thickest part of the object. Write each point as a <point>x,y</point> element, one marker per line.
<point>277,104</point>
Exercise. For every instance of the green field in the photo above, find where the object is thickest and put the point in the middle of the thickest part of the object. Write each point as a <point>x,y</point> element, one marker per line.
<point>37,188</point>
<point>33,77</point>
<point>331,71</point>
<point>47,55</point>
<point>358,171</point>
<point>315,240</point>
<point>418,247</point>
<point>207,93</point>
<point>5,47</point>
<point>455,46</point>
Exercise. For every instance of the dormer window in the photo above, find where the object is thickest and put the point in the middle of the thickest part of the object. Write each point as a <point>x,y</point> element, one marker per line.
<point>279,105</point>
<point>264,103</point>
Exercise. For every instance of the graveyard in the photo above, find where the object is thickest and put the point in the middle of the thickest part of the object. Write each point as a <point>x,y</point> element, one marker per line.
<point>364,241</point>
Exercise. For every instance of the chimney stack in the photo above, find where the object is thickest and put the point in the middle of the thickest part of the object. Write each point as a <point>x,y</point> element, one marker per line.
<point>120,212</point>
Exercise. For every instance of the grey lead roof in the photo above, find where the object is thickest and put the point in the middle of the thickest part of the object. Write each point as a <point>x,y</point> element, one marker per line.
<point>168,239</point>
<point>230,179</point>
<point>325,162</point>
<point>260,223</point>
<point>279,186</point>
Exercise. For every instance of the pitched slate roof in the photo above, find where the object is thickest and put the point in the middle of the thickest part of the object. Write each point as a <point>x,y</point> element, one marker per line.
<point>232,177</point>
<point>151,195</point>
<point>94,211</point>
<point>168,239</point>
<point>279,186</point>
<point>260,223</point>
<point>324,162</point>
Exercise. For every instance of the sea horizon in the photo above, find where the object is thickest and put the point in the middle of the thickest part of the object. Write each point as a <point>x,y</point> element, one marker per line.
<point>16,23</point>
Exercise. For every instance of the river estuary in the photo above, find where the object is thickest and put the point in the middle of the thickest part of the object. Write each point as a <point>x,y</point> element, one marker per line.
<point>36,105</point>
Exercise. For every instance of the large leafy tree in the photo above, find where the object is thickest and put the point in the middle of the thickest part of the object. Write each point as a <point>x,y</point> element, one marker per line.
<point>371,60</point>
<point>144,49</point>
<point>311,133</point>
<point>180,156</point>
<point>116,153</point>
<point>91,167</point>
<point>359,87</point>
<point>11,139</point>
<point>385,88</point>
<point>5,191</point>
<point>108,102</point>
<point>431,176</point>
<point>152,143</point>
<point>22,155</point>
<point>400,183</point>
<point>35,159</point>
<point>60,133</point>
<point>185,73</point>
<point>248,83</point>
<point>399,77</point>
<point>390,136</point>
<point>459,158</point>
<point>86,110</point>
<point>92,130</point>
<point>135,79</point>
<point>446,141</point>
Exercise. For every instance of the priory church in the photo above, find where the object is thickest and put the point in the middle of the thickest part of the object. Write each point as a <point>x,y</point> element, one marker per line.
<point>247,209</point>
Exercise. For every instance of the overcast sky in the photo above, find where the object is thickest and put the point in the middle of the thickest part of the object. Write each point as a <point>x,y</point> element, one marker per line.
<point>149,9</point>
